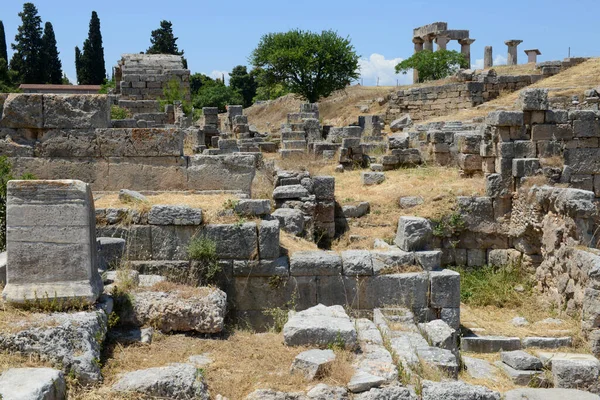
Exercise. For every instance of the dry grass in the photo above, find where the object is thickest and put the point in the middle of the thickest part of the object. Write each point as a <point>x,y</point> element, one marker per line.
<point>241,364</point>
<point>520,69</point>
<point>497,321</point>
<point>8,360</point>
<point>339,109</point>
<point>293,243</point>
<point>183,291</point>
<point>573,81</point>
<point>438,186</point>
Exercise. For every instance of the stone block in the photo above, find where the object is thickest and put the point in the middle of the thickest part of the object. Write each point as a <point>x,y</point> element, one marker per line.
<point>149,173</point>
<point>576,374</point>
<point>468,143</point>
<point>445,289</point>
<point>476,257</point>
<point>497,186</point>
<point>33,384</point>
<point>551,132</point>
<point>290,220</point>
<point>260,293</point>
<point>439,334</point>
<point>357,263</point>
<point>524,149</point>
<point>315,263</point>
<point>429,260</point>
<point>525,167</point>
<point>386,260</point>
<point>357,211</point>
<point>505,118</point>
<point>407,289</point>
<point>67,143</point>
<point>586,128</point>
<point>469,162</point>
<point>489,344</point>
<point>324,187</point>
<point>110,252</point>
<point>268,239</point>
<point>533,100</point>
<point>76,111</point>
<point>234,241</point>
<point>249,268</point>
<point>22,111</point>
<point>170,242</point>
<point>557,116</point>
<point>174,215</point>
<point>222,172</point>
<point>519,377</point>
<point>312,363</point>
<point>138,239</point>
<point>413,234</point>
<point>372,178</point>
<point>339,290</point>
<point>457,390</point>
<point>547,342</point>
<point>253,207</point>
<point>290,192</point>
<point>518,359</point>
<point>51,220</point>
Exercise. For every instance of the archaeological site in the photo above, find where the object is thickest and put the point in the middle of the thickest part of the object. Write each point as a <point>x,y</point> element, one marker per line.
<point>431,241</point>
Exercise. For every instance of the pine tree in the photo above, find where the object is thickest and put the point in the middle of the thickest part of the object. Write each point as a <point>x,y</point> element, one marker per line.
<point>92,70</point>
<point>51,62</point>
<point>3,50</point>
<point>27,59</point>
<point>163,41</point>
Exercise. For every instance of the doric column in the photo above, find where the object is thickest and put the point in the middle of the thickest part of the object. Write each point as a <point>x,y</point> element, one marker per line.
<point>418,47</point>
<point>442,41</point>
<point>512,51</point>
<point>532,55</point>
<point>488,57</point>
<point>465,49</point>
<point>428,42</point>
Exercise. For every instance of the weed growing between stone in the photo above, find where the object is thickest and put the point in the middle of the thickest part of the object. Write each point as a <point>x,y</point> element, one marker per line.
<point>205,267</point>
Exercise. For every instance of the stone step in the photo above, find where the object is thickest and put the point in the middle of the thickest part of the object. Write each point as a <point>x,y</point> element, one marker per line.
<point>294,144</point>
<point>489,344</point>
<point>293,135</point>
<point>291,153</point>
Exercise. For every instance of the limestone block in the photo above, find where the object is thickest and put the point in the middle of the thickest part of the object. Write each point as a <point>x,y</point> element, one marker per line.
<point>253,207</point>
<point>441,359</point>
<point>497,186</point>
<point>413,234</point>
<point>518,359</point>
<point>51,220</point>
<point>234,241</point>
<point>489,344</point>
<point>439,334</point>
<point>22,111</point>
<point>149,173</point>
<point>445,289</point>
<point>174,381</point>
<point>110,252</point>
<point>357,211</point>
<point>469,162</point>
<point>575,374</point>
<point>268,239</point>
<point>519,377</point>
<point>478,368</point>
<point>524,149</point>
<point>505,118</point>
<point>357,262</point>
<point>138,239</point>
<point>290,220</point>
<point>3,257</point>
<point>389,259</point>
<point>525,167</point>
<point>320,326</point>
<point>408,157</point>
<point>407,289</point>
<point>557,116</point>
<point>290,192</point>
<point>533,100</point>
<point>586,128</point>
<point>339,290</point>
<point>147,142</point>
<point>247,268</point>
<point>311,263</point>
<point>547,342</point>
<point>67,143</point>
<point>312,363</point>
<point>174,215</point>
<point>221,172</point>
<point>410,201</point>
<point>76,111</point>
<point>468,143</point>
<point>429,260</point>
<point>324,187</point>
<point>398,141</point>
<point>33,383</point>
<point>170,242</point>
<point>548,394</point>
<point>259,293</point>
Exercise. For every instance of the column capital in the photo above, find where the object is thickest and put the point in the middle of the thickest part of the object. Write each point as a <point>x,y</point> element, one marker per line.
<point>467,41</point>
<point>513,42</point>
<point>417,40</point>
<point>534,51</point>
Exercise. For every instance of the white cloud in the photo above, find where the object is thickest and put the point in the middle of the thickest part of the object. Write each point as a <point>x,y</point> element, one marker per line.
<point>498,60</point>
<point>377,66</point>
<point>216,74</point>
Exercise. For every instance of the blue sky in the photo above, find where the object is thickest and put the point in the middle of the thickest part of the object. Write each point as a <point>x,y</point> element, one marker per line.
<point>218,35</point>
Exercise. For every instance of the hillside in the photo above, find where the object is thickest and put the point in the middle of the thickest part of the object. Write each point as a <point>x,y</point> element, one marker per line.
<point>344,106</point>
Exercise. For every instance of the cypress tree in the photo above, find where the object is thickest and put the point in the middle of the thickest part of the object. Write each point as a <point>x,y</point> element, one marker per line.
<point>51,62</point>
<point>163,40</point>
<point>93,69</point>
<point>27,59</point>
<point>3,50</point>
<point>78,66</point>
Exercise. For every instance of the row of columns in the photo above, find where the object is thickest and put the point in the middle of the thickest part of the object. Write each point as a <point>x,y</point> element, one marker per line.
<point>511,59</point>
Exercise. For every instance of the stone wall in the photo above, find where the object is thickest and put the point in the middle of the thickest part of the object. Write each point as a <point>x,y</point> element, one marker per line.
<point>432,101</point>
<point>71,137</point>
<point>258,275</point>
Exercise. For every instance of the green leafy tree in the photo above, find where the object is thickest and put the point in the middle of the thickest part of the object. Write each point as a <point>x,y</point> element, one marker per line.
<point>433,65</point>
<point>200,81</point>
<point>91,69</point>
<point>3,49</point>
<point>8,78</point>
<point>243,82</point>
<point>217,95</point>
<point>52,65</point>
<point>27,58</point>
<point>266,90</point>
<point>311,65</point>
<point>163,40</point>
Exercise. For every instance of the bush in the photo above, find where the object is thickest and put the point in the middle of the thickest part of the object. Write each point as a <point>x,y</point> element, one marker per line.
<point>493,286</point>
<point>174,93</point>
<point>205,267</point>
<point>117,112</point>
<point>433,65</point>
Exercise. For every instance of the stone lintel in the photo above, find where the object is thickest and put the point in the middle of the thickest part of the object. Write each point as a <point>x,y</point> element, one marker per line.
<point>433,28</point>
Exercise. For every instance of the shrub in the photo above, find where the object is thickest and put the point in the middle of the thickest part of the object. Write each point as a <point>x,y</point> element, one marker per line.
<point>174,93</point>
<point>205,266</point>
<point>117,112</point>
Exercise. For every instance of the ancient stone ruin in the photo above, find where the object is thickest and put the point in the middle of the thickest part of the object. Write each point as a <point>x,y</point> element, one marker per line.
<point>154,257</point>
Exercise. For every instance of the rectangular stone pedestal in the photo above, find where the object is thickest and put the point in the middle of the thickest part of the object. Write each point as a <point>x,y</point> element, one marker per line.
<point>51,242</point>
